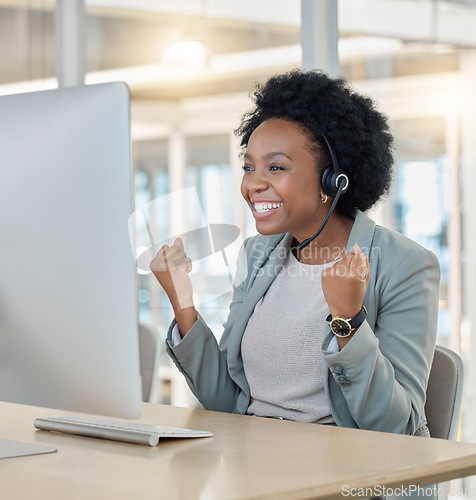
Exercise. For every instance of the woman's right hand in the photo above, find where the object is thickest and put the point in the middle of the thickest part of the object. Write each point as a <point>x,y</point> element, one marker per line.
<point>171,267</point>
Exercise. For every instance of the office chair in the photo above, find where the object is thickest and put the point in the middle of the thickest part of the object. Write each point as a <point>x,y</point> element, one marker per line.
<point>150,346</point>
<point>443,400</point>
<point>443,394</point>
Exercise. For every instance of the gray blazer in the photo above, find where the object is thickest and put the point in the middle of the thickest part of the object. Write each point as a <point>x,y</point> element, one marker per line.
<point>378,381</point>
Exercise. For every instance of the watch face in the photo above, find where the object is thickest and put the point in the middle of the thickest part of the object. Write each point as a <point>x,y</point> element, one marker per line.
<point>340,327</point>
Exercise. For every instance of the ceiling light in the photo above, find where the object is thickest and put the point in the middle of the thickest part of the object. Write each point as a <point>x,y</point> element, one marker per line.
<point>185,54</point>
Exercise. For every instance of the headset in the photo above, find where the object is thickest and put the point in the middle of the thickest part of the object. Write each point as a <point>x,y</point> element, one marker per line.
<point>334,183</point>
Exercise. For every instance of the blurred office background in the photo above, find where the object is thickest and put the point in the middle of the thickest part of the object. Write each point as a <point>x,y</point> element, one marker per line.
<point>190,65</point>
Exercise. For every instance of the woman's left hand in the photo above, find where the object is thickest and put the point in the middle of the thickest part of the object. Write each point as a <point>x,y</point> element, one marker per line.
<point>344,284</point>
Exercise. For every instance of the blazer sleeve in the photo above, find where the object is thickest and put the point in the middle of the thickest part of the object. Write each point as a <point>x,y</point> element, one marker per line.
<point>200,358</point>
<point>383,371</point>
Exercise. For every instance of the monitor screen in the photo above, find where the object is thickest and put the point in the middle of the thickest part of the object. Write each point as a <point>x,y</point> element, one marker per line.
<point>68,311</point>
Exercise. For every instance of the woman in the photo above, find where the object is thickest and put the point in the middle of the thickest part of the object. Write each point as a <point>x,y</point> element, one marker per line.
<point>339,329</point>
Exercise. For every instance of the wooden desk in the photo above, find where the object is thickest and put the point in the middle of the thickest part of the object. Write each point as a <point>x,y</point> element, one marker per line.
<point>248,457</point>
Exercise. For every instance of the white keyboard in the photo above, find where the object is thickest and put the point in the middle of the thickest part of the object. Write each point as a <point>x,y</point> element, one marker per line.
<point>116,430</point>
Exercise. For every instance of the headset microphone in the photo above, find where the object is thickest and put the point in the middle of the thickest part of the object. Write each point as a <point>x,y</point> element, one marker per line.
<point>334,183</point>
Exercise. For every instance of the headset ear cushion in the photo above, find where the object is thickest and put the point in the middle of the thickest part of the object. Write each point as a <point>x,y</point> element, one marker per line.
<point>328,182</point>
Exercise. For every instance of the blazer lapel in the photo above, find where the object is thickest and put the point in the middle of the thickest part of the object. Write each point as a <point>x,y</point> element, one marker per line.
<point>261,283</point>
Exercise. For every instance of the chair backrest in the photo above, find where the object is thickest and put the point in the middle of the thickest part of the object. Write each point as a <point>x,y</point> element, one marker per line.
<point>150,346</point>
<point>443,395</point>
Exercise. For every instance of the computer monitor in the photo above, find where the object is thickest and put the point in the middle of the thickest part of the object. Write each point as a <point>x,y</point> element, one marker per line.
<point>68,307</point>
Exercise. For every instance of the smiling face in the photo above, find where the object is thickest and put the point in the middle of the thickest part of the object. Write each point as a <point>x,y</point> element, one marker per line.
<point>281,183</point>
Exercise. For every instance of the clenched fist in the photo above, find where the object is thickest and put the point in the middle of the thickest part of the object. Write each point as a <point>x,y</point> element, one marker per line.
<point>171,267</point>
<point>345,283</point>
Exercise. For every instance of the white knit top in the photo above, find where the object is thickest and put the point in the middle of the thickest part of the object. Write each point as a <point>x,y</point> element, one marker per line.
<point>281,346</point>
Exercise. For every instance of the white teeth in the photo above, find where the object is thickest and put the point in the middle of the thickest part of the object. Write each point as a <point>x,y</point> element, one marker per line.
<point>266,207</point>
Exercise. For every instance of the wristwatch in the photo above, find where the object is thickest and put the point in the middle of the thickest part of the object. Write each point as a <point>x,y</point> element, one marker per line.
<point>342,327</point>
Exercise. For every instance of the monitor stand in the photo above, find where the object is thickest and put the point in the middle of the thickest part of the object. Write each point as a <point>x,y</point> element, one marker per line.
<point>10,449</point>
